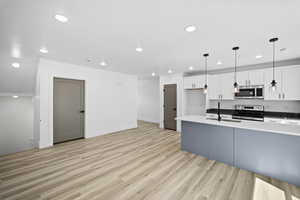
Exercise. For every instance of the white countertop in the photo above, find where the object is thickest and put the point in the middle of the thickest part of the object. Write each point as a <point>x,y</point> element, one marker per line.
<point>286,129</point>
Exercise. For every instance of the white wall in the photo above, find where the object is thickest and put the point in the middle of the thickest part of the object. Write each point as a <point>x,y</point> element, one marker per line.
<point>148,99</point>
<point>110,99</point>
<point>16,122</point>
<point>171,79</point>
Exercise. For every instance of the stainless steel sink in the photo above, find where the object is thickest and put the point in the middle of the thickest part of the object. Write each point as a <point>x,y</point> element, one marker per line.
<point>224,120</point>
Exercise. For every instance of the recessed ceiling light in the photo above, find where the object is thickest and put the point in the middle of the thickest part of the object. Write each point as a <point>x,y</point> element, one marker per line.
<point>190,28</point>
<point>191,68</point>
<point>15,65</point>
<point>153,74</point>
<point>219,63</point>
<point>103,63</point>
<point>15,96</point>
<point>258,56</point>
<point>61,18</point>
<point>43,50</point>
<point>139,49</point>
<point>170,71</point>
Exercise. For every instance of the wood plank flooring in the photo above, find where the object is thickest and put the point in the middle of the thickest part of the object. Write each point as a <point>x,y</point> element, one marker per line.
<point>143,163</point>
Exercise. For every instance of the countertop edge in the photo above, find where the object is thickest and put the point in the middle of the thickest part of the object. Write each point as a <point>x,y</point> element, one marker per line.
<point>238,125</point>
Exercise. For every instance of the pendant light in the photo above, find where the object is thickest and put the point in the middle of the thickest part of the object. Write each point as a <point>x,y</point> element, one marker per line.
<point>235,85</point>
<point>273,83</point>
<point>205,86</point>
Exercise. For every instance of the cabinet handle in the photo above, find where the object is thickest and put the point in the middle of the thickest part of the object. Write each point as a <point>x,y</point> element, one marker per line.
<point>279,96</point>
<point>283,95</point>
<point>249,82</point>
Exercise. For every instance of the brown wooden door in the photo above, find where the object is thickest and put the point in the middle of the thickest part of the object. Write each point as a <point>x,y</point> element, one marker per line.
<point>170,106</point>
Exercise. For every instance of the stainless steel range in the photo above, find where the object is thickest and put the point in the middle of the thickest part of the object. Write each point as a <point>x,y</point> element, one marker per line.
<point>249,112</point>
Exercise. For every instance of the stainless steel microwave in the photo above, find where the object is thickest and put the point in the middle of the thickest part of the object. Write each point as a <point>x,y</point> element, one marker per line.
<point>250,92</point>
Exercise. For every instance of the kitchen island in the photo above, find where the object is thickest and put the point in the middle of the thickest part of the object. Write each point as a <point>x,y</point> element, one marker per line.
<point>267,148</point>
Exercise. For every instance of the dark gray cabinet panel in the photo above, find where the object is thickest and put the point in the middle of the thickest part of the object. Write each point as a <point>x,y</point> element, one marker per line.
<point>271,154</point>
<point>213,142</point>
<point>194,138</point>
<point>222,139</point>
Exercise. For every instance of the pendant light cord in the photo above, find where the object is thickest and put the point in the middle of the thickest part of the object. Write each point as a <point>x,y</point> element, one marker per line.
<point>206,70</point>
<point>274,60</point>
<point>235,61</point>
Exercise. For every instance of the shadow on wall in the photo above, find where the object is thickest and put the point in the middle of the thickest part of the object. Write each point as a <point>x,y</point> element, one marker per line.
<point>16,124</point>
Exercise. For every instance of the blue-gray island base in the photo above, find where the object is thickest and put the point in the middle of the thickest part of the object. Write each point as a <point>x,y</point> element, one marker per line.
<point>271,154</point>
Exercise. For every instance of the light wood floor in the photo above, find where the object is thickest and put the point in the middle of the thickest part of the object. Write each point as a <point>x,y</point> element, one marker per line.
<point>143,163</point>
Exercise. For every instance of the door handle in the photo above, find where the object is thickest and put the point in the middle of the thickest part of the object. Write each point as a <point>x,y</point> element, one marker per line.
<point>82,111</point>
<point>174,109</point>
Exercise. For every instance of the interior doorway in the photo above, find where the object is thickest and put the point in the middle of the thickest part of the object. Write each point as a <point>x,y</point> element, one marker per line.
<point>68,110</point>
<point>170,106</point>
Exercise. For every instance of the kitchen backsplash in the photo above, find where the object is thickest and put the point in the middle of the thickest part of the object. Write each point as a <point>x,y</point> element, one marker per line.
<point>274,106</point>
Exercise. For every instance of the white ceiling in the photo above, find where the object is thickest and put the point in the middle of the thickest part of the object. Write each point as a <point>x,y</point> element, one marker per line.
<point>112,29</point>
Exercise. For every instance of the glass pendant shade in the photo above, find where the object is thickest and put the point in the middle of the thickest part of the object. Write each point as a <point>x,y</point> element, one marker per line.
<point>205,89</point>
<point>273,85</point>
<point>236,87</point>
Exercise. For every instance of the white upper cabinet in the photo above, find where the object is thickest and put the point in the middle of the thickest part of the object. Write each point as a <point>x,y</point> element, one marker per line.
<point>220,86</point>
<point>288,81</point>
<point>269,93</point>
<point>242,78</point>
<point>200,81</point>
<point>194,82</point>
<point>226,86</point>
<point>214,89</point>
<point>188,82</point>
<point>253,77</point>
<point>257,77</point>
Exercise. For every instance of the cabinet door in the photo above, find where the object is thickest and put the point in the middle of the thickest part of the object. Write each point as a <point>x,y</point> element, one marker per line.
<point>242,78</point>
<point>226,85</point>
<point>199,81</point>
<point>188,83</point>
<point>214,89</point>
<point>291,83</point>
<point>256,77</point>
<point>213,142</point>
<point>269,93</point>
<point>194,82</point>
